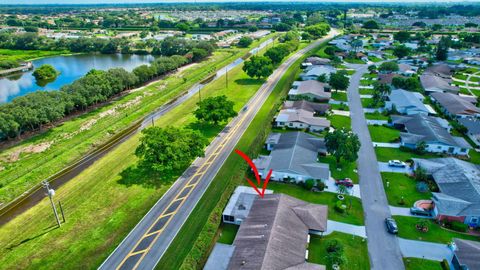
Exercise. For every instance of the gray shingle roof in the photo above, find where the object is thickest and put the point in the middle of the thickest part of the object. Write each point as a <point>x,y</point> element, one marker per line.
<point>406,99</point>
<point>455,104</point>
<point>312,87</point>
<point>459,183</point>
<point>274,236</point>
<point>467,253</point>
<point>425,128</point>
<point>302,116</point>
<point>434,83</point>
<point>473,125</point>
<point>320,108</point>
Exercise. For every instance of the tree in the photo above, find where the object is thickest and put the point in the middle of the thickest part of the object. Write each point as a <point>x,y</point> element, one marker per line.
<point>442,48</point>
<point>402,36</point>
<point>282,27</point>
<point>45,72</point>
<point>318,30</point>
<point>276,54</point>
<point>421,147</point>
<point>380,92</point>
<point>309,183</point>
<point>167,150</point>
<point>371,24</point>
<point>342,143</point>
<point>401,51</point>
<point>372,68</point>
<point>198,54</point>
<point>253,28</point>
<point>419,24</point>
<point>339,80</point>
<point>244,42</point>
<point>410,83</point>
<point>184,27</point>
<point>388,67</point>
<point>258,67</point>
<point>215,109</point>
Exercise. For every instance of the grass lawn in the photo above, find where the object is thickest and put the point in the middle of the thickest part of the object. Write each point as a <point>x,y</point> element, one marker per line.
<point>353,61</point>
<point>27,55</point>
<point>355,250</point>
<point>383,133</point>
<point>421,264</point>
<point>474,156</point>
<point>475,92</point>
<point>402,185</point>
<point>112,193</point>
<point>460,76</point>
<point>354,216</point>
<point>368,103</point>
<point>345,170</point>
<point>364,82</point>
<point>340,107</point>
<point>376,116</point>
<point>374,59</point>
<point>339,121</point>
<point>369,76</point>
<point>407,229</point>
<point>227,233</point>
<point>385,154</point>
<point>339,96</point>
<point>365,91</point>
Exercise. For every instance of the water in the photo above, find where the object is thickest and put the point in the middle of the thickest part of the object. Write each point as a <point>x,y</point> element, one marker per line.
<point>70,67</point>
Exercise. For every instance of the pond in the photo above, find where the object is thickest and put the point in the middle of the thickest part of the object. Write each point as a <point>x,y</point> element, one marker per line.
<point>70,67</point>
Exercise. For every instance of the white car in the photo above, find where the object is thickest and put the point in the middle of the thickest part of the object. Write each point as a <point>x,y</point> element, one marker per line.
<point>397,163</point>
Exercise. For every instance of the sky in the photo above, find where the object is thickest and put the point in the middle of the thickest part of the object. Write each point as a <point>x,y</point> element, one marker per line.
<point>176,1</point>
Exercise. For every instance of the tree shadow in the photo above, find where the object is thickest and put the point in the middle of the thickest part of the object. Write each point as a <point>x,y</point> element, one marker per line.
<point>208,130</point>
<point>45,231</point>
<point>143,176</point>
<point>249,81</point>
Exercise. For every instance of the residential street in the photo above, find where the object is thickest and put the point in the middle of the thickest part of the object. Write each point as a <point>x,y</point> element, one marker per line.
<point>147,242</point>
<point>383,248</point>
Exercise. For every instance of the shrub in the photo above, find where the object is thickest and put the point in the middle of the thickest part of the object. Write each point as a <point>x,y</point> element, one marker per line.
<point>309,183</point>
<point>422,187</point>
<point>458,226</point>
<point>334,246</point>
<point>445,265</point>
<point>340,207</point>
<point>336,258</point>
<point>321,185</point>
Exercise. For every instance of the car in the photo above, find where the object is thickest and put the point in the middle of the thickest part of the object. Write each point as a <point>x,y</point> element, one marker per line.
<point>420,211</point>
<point>397,163</point>
<point>344,182</point>
<point>391,225</point>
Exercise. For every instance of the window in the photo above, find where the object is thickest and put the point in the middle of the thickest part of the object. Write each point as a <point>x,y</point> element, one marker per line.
<point>463,150</point>
<point>228,218</point>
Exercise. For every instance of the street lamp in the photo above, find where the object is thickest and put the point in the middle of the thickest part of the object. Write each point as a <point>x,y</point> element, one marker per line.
<point>51,193</point>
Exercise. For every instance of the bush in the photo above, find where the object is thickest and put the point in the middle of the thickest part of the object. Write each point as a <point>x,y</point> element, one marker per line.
<point>336,258</point>
<point>422,187</point>
<point>309,183</point>
<point>334,246</point>
<point>458,226</point>
<point>340,207</point>
<point>321,185</point>
<point>445,265</point>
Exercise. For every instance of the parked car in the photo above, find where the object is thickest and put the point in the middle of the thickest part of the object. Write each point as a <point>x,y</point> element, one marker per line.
<point>397,163</point>
<point>391,225</point>
<point>420,211</point>
<point>344,182</point>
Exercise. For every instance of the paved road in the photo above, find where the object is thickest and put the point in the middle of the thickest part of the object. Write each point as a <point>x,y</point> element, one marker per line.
<point>148,241</point>
<point>383,247</point>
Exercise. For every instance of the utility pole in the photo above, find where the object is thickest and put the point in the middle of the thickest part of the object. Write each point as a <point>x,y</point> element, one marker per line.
<point>226,76</point>
<point>51,193</point>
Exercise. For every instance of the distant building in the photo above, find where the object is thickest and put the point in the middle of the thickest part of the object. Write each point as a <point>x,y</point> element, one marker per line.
<point>293,156</point>
<point>456,106</point>
<point>432,83</point>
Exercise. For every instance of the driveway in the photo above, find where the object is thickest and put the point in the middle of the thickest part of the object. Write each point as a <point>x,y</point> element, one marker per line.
<point>389,145</point>
<point>377,122</point>
<point>338,112</point>
<point>345,228</point>
<point>331,187</point>
<point>404,211</point>
<point>383,167</point>
<point>383,248</point>
<point>425,250</point>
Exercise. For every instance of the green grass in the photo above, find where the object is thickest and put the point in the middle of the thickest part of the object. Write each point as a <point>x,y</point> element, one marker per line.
<point>344,170</point>
<point>383,133</point>
<point>354,215</point>
<point>353,61</point>
<point>475,92</point>
<point>385,154</point>
<point>437,234</point>
<point>27,55</point>
<point>374,59</point>
<point>376,116</point>
<point>355,250</point>
<point>365,91</point>
<point>227,233</point>
<point>368,103</point>
<point>369,76</point>
<point>366,82</point>
<point>339,96</point>
<point>340,107</point>
<point>402,185</point>
<point>462,77</point>
<point>339,121</point>
<point>104,202</point>
<point>421,264</point>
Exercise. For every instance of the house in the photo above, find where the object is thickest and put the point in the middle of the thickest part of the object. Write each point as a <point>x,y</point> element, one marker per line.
<point>317,61</point>
<point>301,119</point>
<point>432,83</point>
<point>459,185</point>
<point>310,90</point>
<point>239,204</point>
<point>274,235</point>
<point>456,106</point>
<point>387,78</point>
<point>422,128</point>
<point>293,156</point>
<point>407,70</point>
<point>466,255</point>
<point>440,70</point>
<point>313,72</point>
<point>405,102</point>
<point>473,128</point>
<point>315,108</point>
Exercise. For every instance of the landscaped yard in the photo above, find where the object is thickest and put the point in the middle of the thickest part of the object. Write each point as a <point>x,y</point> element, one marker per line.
<point>339,96</point>
<point>346,168</point>
<point>353,61</point>
<point>383,133</point>
<point>339,121</point>
<point>421,264</point>
<point>376,116</point>
<point>353,215</point>
<point>402,186</point>
<point>385,154</point>
<point>366,91</point>
<point>407,229</point>
<point>368,103</point>
<point>227,233</point>
<point>339,107</point>
<point>354,249</point>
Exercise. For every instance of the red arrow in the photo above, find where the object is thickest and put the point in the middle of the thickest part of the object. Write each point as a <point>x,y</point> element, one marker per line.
<point>257,176</point>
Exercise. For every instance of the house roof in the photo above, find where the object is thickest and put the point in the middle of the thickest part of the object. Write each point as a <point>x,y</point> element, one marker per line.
<point>312,87</point>
<point>473,125</point>
<point>313,107</point>
<point>274,235</point>
<point>467,253</point>
<point>296,152</point>
<point>459,184</point>
<point>388,77</point>
<point>425,128</point>
<point>318,70</point>
<point>302,116</point>
<point>317,60</point>
<point>433,83</point>
<point>406,99</point>
<point>455,104</point>
<point>441,70</point>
